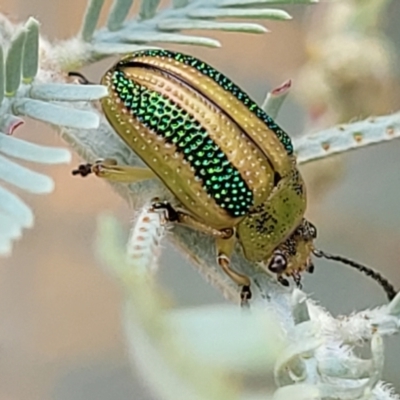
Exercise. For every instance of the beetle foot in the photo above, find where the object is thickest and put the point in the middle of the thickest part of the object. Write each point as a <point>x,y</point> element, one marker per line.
<point>83,170</point>
<point>172,214</point>
<point>283,281</point>
<point>310,268</point>
<point>245,296</point>
<point>297,279</point>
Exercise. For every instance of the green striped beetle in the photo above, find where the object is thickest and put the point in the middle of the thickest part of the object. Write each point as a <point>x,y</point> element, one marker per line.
<point>229,165</point>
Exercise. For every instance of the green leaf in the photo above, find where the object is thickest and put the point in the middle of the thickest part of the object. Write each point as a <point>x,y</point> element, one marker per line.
<point>139,37</point>
<point>180,3</point>
<point>91,18</point>
<point>19,148</point>
<point>250,3</point>
<point>67,92</point>
<point>239,13</point>
<point>148,8</point>
<point>275,99</point>
<point>30,63</point>
<point>24,178</point>
<point>55,114</point>
<point>347,137</point>
<point>2,75</point>
<point>118,13</point>
<point>14,62</point>
<point>185,24</point>
<point>14,206</point>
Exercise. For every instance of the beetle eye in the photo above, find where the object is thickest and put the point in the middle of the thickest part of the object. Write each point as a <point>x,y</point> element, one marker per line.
<point>278,263</point>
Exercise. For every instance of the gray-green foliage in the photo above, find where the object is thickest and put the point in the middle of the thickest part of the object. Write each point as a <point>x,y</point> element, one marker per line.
<point>316,360</point>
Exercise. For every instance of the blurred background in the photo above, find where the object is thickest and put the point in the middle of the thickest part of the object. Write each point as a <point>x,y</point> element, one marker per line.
<point>60,333</point>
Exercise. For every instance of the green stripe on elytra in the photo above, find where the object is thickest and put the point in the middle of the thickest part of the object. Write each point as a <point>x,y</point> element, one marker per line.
<point>225,83</point>
<point>220,178</point>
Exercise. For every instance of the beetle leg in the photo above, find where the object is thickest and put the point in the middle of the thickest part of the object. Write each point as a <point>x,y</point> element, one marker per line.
<point>184,218</point>
<point>224,240</point>
<point>241,280</point>
<point>109,169</point>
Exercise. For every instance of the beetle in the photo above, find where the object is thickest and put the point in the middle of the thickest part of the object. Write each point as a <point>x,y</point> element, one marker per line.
<point>229,165</point>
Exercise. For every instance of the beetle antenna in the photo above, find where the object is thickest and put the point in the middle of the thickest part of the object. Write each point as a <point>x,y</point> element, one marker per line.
<point>386,285</point>
<point>82,78</point>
